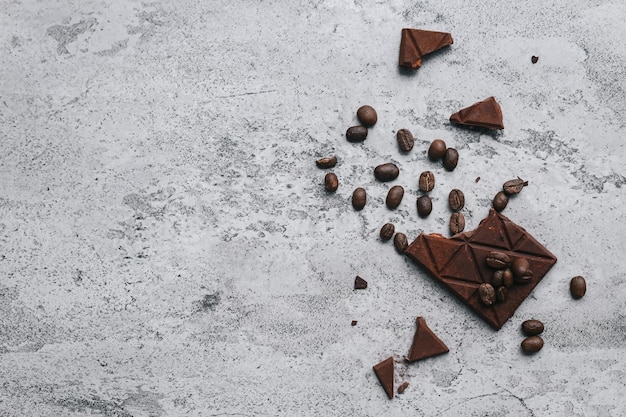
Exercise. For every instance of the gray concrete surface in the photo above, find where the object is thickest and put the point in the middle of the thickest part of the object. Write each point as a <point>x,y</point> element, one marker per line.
<point>167,248</point>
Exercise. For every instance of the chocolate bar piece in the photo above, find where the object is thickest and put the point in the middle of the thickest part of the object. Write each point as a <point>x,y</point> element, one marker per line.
<point>425,343</point>
<point>384,373</point>
<point>486,113</point>
<point>459,263</point>
<point>359,283</point>
<point>415,43</point>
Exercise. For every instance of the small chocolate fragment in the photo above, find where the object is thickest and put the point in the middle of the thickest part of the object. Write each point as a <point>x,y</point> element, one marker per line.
<point>384,373</point>
<point>331,182</point>
<point>532,327</point>
<point>486,113</point>
<point>487,294</point>
<point>403,387</point>
<point>534,59</point>
<point>424,206</point>
<point>497,260</point>
<point>415,43</point>
<point>500,201</point>
<point>367,116</point>
<point>356,134</point>
<point>578,287</point>
<point>514,186</point>
<point>437,149</point>
<point>386,232</point>
<point>400,242</point>
<point>426,181</point>
<point>425,343</point>
<point>450,159</point>
<point>405,140</point>
<point>532,344</point>
<point>359,198</point>
<point>477,179</point>
<point>394,196</point>
<point>359,283</point>
<point>386,172</point>
<point>456,200</point>
<point>353,323</point>
<point>327,162</point>
<point>457,223</point>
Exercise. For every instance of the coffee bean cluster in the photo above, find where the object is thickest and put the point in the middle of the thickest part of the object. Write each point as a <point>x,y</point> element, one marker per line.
<point>439,150</point>
<point>509,188</point>
<point>506,273</point>
<point>533,342</point>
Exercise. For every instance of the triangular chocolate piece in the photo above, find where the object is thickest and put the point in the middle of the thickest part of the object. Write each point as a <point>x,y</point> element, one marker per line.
<point>359,283</point>
<point>425,343</point>
<point>462,266</point>
<point>486,113</point>
<point>384,373</point>
<point>415,43</point>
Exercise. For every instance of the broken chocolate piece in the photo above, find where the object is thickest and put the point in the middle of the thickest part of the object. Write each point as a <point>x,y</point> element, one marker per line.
<point>425,343</point>
<point>459,263</point>
<point>415,43</point>
<point>403,387</point>
<point>486,113</point>
<point>384,373</point>
<point>359,283</point>
<point>353,323</point>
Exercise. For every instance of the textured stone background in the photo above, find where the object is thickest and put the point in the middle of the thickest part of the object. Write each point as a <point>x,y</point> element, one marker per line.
<point>167,248</point>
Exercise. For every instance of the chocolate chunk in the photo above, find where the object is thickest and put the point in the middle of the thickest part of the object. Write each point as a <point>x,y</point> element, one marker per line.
<point>415,43</point>
<point>353,323</point>
<point>534,59</point>
<point>425,343</point>
<point>486,113</point>
<point>403,387</point>
<point>384,373</point>
<point>359,283</point>
<point>458,263</point>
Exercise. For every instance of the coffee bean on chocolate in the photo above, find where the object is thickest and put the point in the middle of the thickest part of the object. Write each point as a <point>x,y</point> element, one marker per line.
<point>367,115</point>
<point>578,287</point>
<point>394,196</point>
<point>500,201</point>
<point>450,159</point>
<point>497,279</point>
<point>386,172</point>
<point>514,186</point>
<point>501,293</point>
<point>405,140</point>
<point>487,294</point>
<point>424,206</point>
<point>532,344</point>
<point>497,260</point>
<point>456,199</point>
<point>386,232</point>
<point>327,162</point>
<point>437,149</point>
<point>331,182</point>
<point>507,278</point>
<point>359,198</point>
<point>400,242</point>
<point>457,223</point>
<point>356,134</point>
<point>532,327</point>
<point>426,181</point>
<point>520,268</point>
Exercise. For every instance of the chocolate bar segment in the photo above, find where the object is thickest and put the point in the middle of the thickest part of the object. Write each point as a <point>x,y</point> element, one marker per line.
<point>425,343</point>
<point>415,43</point>
<point>384,373</point>
<point>486,114</point>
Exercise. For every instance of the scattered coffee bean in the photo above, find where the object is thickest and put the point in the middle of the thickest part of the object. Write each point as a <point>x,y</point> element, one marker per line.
<point>497,260</point>
<point>424,206</point>
<point>534,59</point>
<point>367,115</point>
<point>450,159</point>
<point>327,162</point>
<point>487,294</point>
<point>578,287</point>
<point>507,278</point>
<point>500,201</point>
<point>456,199</point>
<point>394,196</point>
<point>353,322</point>
<point>501,294</point>
<point>532,344</point>
<point>386,232</point>
<point>331,182</point>
<point>386,172</point>
<point>521,270</point>
<point>356,134</point>
<point>426,181</point>
<point>403,387</point>
<point>405,140</point>
<point>514,186</point>
<point>359,198</point>
<point>532,327</point>
<point>436,150</point>
<point>400,242</point>
<point>457,223</point>
<point>497,279</point>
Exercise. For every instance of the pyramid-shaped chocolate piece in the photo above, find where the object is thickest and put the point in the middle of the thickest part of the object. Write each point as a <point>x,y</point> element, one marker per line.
<point>486,114</point>
<point>359,283</point>
<point>425,343</point>
<point>415,43</point>
<point>459,263</point>
<point>384,373</point>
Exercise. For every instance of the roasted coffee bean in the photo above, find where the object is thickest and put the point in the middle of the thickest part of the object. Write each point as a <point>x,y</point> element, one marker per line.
<point>507,278</point>
<point>331,182</point>
<point>386,232</point>
<point>405,140</point>
<point>359,198</point>
<point>520,268</point>
<point>500,201</point>
<point>426,181</point>
<point>497,279</point>
<point>457,223</point>
<point>450,159</point>
<point>400,242</point>
<point>578,287</point>
<point>514,186</point>
<point>367,115</point>
<point>424,206</point>
<point>497,260</point>
<point>525,278</point>
<point>437,149</point>
<point>394,196</point>
<point>487,294</point>
<point>456,199</point>
<point>501,294</point>
<point>386,172</point>
<point>327,162</point>
<point>532,344</point>
<point>356,134</point>
<point>532,327</point>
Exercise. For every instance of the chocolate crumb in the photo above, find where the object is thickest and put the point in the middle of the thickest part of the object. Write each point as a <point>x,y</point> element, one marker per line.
<point>534,59</point>
<point>402,387</point>
<point>353,322</point>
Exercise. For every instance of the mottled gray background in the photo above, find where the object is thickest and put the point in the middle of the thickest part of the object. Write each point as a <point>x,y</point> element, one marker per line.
<point>167,248</point>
